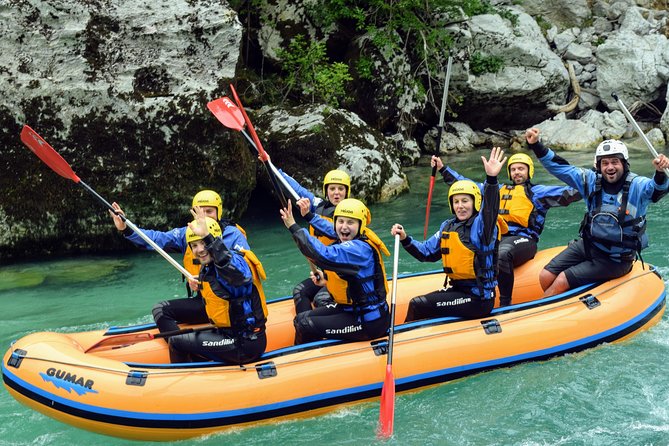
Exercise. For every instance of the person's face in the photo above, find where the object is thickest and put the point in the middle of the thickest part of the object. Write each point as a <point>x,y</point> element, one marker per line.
<point>347,228</point>
<point>336,193</point>
<point>200,252</point>
<point>210,211</point>
<point>463,205</point>
<point>612,169</point>
<point>519,172</point>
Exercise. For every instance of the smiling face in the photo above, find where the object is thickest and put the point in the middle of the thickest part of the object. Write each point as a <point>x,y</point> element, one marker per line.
<point>210,211</point>
<point>519,172</point>
<point>463,206</point>
<point>612,168</point>
<point>200,252</point>
<point>336,193</point>
<point>347,228</point>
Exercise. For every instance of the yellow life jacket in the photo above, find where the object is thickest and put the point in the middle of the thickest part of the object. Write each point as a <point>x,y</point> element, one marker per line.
<point>192,265</point>
<point>219,309</point>
<point>327,241</point>
<point>458,254</point>
<point>349,290</point>
<point>242,230</point>
<point>515,206</point>
<point>326,213</point>
<point>457,257</point>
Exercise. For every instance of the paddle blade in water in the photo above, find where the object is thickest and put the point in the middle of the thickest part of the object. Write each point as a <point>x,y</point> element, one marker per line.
<point>46,153</point>
<point>227,113</point>
<point>387,411</point>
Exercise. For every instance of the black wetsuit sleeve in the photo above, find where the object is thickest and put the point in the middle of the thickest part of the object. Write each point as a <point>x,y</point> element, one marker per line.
<point>660,177</point>
<point>490,208</point>
<point>567,197</point>
<point>539,150</point>
<point>222,261</point>
<point>447,176</point>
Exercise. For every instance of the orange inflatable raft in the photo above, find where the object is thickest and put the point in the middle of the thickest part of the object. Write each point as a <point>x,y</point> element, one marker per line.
<point>118,382</point>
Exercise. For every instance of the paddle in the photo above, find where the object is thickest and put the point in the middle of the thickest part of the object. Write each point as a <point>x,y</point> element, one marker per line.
<point>234,117</point>
<point>51,158</point>
<point>631,119</point>
<point>125,340</point>
<point>387,410</point>
<point>440,129</point>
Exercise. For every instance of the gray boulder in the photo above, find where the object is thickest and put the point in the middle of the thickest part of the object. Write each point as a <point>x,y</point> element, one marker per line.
<point>532,76</point>
<point>563,13</point>
<point>568,134</point>
<point>119,89</point>
<point>634,66</point>
<point>309,140</point>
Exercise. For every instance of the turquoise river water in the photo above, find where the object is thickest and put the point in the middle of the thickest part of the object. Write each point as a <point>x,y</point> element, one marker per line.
<point>615,394</point>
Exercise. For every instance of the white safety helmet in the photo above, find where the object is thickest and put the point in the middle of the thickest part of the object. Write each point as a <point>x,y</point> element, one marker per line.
<point>611,147</point>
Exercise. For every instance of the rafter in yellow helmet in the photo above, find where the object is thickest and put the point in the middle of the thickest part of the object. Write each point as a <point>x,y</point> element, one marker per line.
<point>465,187</point>
<point>209,198</point>
<point>212,226</point>
<point>337,177</point>
<point>352,208</point>
<point>520,158</point>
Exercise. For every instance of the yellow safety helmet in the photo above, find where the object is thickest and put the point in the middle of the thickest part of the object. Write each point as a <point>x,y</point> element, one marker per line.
<point>209,198</point>
<point>520,158</point>
<point>465,187</point>
<point>212,225</point>
<point>337,177</point>
<point>352,208</point>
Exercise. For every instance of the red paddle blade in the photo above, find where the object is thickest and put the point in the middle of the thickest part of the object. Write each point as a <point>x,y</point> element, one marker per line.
<point>252,130</point>
<point>46,153</point>
<point>427,209</point>
<point>387,411</point>
<point>227,113</point>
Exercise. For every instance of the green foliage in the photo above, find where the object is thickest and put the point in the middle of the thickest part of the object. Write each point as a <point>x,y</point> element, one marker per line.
<point>480,64</point>
<point>364,67</point>
<point>307,68</point>
<point>509,15</point>
<point>544,24</point>
<point>599,41</point>
<point>416,26</point>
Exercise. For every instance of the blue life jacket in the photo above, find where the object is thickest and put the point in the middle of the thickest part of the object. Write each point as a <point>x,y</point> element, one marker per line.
<point>612,228</point>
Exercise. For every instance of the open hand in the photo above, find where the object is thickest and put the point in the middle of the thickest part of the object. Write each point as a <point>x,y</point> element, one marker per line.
<point>199,227</point>
<point>494,165</point>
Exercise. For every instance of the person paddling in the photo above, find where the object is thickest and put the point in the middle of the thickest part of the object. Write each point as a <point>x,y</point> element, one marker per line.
<point>613,230</point>
<point>523,206</point>
<point>354,275</point>
<point>232,299</point>
<point>467,245</point>
<point>175,239</point>
<point>336,187</point>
